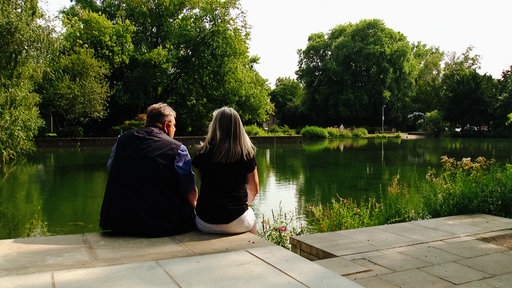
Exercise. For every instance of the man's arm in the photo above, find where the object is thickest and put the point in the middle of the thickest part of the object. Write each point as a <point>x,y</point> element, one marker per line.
<point>187,177</point>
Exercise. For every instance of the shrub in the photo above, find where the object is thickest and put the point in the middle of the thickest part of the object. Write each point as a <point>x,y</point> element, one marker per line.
<point>345,134</point>
<point>360,132</point>
<point>281,130</point>
<point>314,132</point>
<point>468,186</point>
<point>128,125</point>
<point>253,130</point>
<point>333,131</point>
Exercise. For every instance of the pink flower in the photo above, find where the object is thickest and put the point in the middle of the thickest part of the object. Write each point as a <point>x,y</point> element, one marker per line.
<point>282,229</point>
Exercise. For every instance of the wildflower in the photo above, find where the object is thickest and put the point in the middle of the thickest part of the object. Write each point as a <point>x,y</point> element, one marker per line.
<point>466,163</point>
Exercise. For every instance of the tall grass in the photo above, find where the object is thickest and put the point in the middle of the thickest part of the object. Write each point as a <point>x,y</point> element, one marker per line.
<point>467,186</point>
<point>395,206</point>
<point>459,187</point>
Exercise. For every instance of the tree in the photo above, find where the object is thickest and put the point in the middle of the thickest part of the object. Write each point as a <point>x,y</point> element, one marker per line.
<point>503,107</point>
<point>111,41</point>
<point>468,95</point>
<point>191,54</point>
<point>427,94</point>
<point>75,92</point>
<point>25,46</point>
<point>350,73</point>
<point>287,97</point>
<point>434,124</point>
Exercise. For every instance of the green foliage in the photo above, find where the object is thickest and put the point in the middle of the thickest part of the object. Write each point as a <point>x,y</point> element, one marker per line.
<point>287,97</point>
<point>428,90</point>
<point>349,73</point>
<point>359,132</point>
<point>138,122</point>
<point>468,186</point>
<point>36,227</point>
<point>398,205</point>
<point>254,130</point>
<point>396,135</point>
<point>281,227</point>
<point>75,91</point>
<point>468,96</point>
<point>434,125</point>
<point>281,130</point>
<point>111,41</point>
<point>193,55</point>
<point>314,132</point>
<point>343,214</point>
<point>461,187</point>
<point>25,44</point>
<point>333,132</point>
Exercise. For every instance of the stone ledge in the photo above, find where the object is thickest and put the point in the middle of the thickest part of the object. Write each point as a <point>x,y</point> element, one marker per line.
<point>109,141</point>
<point>54,253</point>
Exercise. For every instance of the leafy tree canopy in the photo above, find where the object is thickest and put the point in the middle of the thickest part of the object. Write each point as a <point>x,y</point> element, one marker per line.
<point>351,72</point>
<point>191,54</point>
<point>25,45</point>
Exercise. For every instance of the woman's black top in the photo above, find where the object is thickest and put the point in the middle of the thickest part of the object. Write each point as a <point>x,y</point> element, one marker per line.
<point>223,190</point>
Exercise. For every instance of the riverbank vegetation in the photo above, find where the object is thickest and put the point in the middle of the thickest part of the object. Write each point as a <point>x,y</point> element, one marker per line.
<point>58,79</point>
<point>464,186</point>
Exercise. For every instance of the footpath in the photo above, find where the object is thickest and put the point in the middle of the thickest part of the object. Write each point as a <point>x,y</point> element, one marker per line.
<point>457,251</point>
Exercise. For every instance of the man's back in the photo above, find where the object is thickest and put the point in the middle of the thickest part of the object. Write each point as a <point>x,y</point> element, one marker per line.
<point>142,196</point>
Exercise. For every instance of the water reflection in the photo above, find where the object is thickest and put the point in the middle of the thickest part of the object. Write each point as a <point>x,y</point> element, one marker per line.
<point>59,191</point>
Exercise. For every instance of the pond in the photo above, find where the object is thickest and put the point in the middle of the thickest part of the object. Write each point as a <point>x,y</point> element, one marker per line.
<point>59,190</point>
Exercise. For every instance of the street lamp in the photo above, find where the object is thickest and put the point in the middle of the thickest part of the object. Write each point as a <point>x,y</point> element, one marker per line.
<point>382,129</point>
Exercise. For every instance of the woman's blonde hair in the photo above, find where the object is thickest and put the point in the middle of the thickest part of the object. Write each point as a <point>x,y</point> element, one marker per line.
<point>227,135</point>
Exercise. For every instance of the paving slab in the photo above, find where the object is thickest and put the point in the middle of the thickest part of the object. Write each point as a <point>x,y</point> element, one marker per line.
<point>375,282</point>
<point>415,279</point>
<point>415,232</point>
<point>32,255</point>
<point>146,274</point>
<point>494,264</point>
<point>469,248</point>
<point>36,280</point>
<point>504,281</point>
<point>342,266</point>
<point>372,269</point>
<point>456,251</point>
<point>109,250</point>
<point>455,273</point>
<point>229,269</point>
<point>189,260</point>
<point>398,261</point>
<point>301,269</point>
<point>430,253</point>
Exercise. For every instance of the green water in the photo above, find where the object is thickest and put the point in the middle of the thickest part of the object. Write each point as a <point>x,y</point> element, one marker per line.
<point>59,191</point>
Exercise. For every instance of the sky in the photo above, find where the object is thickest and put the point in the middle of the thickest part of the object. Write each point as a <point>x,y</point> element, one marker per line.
<point>280,27</point>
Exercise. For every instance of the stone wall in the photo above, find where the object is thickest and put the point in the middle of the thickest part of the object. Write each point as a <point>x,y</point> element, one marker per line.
<point>109,141</point>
